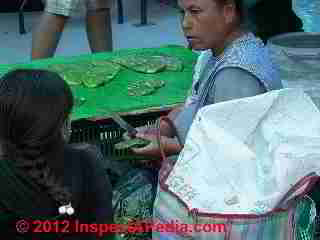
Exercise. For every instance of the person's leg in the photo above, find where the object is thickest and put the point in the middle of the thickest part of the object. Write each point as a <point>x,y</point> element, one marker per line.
<point>47,34</point>
<point>99,30</point>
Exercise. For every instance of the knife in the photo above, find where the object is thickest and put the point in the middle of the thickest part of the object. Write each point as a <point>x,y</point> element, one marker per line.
<point>124,124</point>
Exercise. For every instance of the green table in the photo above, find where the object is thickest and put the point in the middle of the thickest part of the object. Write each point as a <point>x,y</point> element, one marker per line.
<point>114,95</point>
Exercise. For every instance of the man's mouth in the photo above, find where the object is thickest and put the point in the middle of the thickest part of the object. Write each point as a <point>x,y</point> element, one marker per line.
<point>191,38</point>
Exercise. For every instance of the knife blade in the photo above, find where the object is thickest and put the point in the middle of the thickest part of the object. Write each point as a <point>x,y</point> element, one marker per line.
<point>124,124</point>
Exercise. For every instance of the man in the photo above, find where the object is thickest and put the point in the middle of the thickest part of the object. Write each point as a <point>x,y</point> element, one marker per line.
<point>47,34</point>
<point>272,17</point>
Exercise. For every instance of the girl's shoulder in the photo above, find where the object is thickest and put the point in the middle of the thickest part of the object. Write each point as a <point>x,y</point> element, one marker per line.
<point>87,155</point>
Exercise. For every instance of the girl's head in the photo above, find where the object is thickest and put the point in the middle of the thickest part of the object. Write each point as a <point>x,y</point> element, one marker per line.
<point>210,24</point>
<point>34,105</point>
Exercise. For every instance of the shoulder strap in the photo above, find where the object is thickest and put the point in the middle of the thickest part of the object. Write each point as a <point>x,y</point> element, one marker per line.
<point>166,165</point>
<point>302,187</point>
<point>207,88</point>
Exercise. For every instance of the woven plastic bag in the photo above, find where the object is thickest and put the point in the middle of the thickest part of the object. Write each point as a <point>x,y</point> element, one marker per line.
<point>216,178</point>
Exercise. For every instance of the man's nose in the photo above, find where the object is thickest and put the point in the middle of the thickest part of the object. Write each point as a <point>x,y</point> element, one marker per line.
<point>186,22</point>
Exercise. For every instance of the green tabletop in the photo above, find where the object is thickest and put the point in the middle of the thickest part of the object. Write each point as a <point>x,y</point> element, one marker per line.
<point>113,96</point>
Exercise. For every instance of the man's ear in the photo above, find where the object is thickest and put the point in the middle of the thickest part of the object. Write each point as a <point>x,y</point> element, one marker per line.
<point>229,11</point>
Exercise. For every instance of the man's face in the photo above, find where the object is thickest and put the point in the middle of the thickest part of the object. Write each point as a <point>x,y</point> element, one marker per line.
<point>203,23</point>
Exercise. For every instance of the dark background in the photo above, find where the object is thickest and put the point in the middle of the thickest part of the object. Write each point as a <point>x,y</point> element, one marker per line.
<point>13,5</point>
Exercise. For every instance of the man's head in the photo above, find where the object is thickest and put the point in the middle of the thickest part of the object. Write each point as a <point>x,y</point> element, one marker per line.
<point>208,24</point>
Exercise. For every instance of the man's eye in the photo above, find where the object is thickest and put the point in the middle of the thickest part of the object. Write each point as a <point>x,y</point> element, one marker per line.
<point>195,11</point>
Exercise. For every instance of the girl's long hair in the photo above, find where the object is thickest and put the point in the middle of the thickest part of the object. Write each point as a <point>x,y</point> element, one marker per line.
<point>34,105</point>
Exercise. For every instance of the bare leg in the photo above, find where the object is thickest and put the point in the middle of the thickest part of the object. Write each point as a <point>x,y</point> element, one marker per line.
<point>99,30</point>
<point>47,34</point>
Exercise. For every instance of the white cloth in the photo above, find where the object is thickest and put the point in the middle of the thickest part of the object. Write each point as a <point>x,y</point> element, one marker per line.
<point>242,156</point>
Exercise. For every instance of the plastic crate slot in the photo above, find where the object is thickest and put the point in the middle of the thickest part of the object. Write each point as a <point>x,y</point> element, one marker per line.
<point>105,133</point>
<point>317,227</point>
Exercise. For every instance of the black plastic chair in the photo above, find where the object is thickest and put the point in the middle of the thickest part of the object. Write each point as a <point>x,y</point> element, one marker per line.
<point>22,29</point>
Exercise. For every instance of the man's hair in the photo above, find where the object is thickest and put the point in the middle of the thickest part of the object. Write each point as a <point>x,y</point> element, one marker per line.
<point>240,8</point>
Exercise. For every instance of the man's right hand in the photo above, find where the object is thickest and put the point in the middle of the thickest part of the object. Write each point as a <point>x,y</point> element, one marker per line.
<point>166,129</point>
<point>142,130</point>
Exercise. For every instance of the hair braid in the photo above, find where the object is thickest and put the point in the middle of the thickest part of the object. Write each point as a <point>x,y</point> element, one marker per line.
<point>40,172</point>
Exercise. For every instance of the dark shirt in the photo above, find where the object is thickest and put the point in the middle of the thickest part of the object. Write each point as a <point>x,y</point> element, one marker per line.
<point>84,173</point>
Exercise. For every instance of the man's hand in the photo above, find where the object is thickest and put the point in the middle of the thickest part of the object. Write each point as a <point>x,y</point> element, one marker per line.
<point>175,112</point>
<point>143,130</point>
<point>170,146</point>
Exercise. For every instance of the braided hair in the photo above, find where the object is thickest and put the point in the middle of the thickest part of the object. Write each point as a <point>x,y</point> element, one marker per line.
<point>34,105</point>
